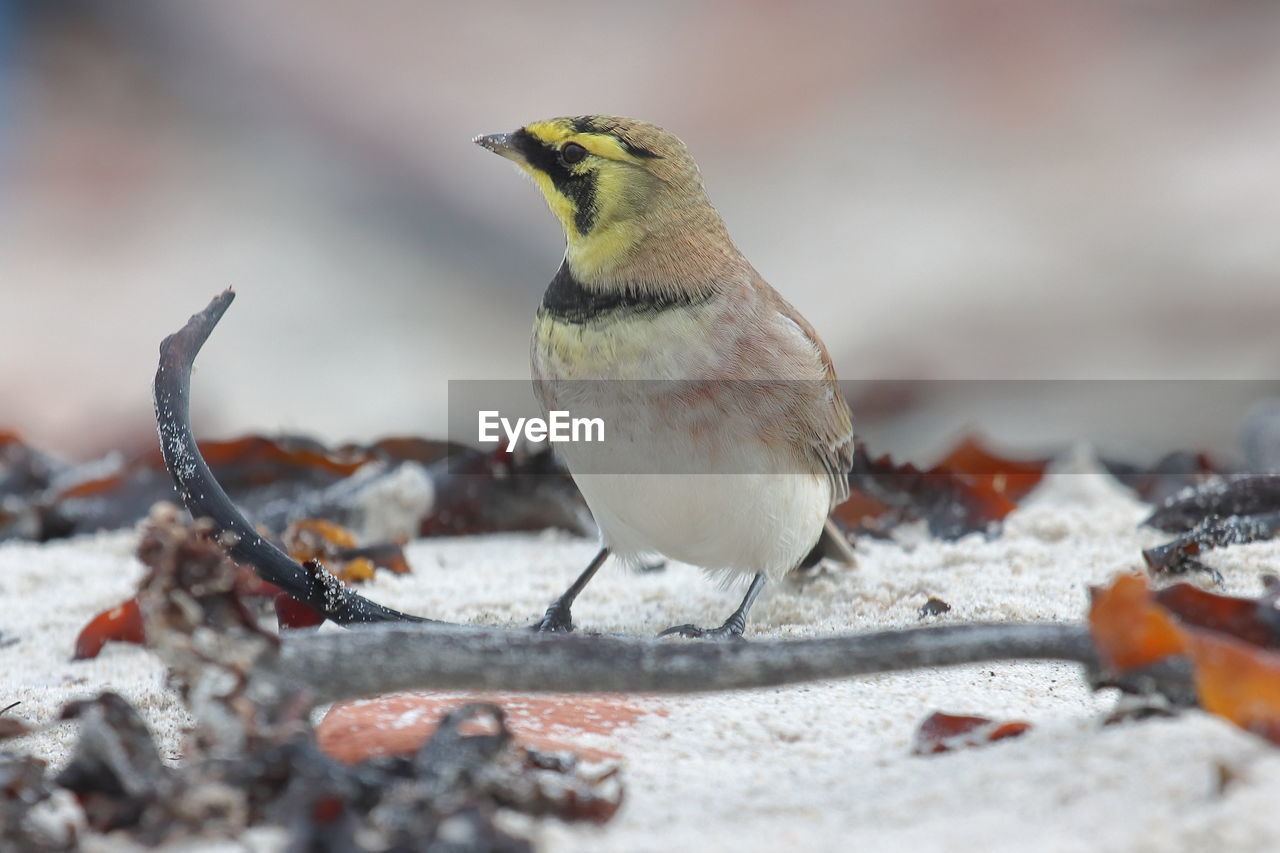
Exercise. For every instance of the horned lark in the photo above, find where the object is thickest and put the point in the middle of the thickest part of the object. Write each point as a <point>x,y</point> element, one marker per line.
<point>657,321</point>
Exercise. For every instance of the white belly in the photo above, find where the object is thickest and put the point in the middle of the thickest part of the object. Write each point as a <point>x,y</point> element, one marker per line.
<point>732,522</point>
<point>692,481</point>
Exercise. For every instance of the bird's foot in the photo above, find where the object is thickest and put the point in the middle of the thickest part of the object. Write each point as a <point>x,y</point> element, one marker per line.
<point>557,620</point>
<point>732,629</point>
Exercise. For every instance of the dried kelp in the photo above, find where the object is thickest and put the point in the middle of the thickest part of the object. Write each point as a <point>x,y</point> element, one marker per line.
<point>1225,511</point>
<point>1182,554</point>
<point>942,732</point>
<point>971,490</point>
<point>1222,497</point>
<point>451,791</point>
<point>1229,644</point>
<point>308,541</point>
<point>24,791</point>
<point>25,473</point>
<point>1172,474</point>
<point>252,758</point>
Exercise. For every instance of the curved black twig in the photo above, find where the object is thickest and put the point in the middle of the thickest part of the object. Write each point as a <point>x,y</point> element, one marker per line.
<point>205,498</point>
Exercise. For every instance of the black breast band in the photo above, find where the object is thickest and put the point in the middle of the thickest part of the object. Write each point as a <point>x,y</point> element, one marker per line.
<point>569,302</point>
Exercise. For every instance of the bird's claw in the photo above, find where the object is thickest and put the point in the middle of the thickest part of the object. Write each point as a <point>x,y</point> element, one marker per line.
<point>727,631</point>
<point>557,620</point>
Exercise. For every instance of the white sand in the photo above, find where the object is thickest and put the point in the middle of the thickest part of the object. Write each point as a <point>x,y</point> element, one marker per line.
<point>815,767</point>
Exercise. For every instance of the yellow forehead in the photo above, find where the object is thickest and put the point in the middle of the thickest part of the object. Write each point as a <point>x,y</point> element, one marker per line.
<point>555,132</point>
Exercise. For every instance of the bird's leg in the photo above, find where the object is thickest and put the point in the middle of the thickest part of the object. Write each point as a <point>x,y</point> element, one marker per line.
<point>558,619</point>
<point>733,626</point>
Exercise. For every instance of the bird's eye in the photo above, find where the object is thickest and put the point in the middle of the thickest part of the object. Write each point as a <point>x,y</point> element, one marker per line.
<point>572,152</point>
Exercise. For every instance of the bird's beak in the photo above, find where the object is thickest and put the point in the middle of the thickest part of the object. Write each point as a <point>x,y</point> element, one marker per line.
<point>499,143</point>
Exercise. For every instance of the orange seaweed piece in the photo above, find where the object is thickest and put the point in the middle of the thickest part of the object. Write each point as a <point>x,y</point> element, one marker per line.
<point>1011,479</point>
<point>292,613</point>
<point>259,460</point>
<point>942,732</point>
<point>1224,614</point>
<point>968,490</point>
<point>1238,681</point>
<point>1129,629</point>
<point>1236,676</point>
<point>317,539</point>
<point>120,624</point>
<point>861,510</point>
<point>390,557</point>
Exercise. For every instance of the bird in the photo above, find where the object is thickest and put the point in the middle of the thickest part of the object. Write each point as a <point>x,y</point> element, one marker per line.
<point>728,439</point>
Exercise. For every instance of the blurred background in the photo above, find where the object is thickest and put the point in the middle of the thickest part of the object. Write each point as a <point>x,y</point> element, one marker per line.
<point>948,190</point>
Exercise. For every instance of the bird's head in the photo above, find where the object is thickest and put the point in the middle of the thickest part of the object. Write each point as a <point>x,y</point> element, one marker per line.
<point>612,182</point>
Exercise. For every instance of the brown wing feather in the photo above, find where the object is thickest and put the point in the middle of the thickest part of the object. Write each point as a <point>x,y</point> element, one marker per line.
<point>829,423</point>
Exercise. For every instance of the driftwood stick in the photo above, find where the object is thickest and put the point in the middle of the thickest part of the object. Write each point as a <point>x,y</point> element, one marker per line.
<point>378,659</point>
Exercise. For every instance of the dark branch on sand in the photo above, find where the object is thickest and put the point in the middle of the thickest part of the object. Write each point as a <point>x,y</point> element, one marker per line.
<point>205,498</point>
<point>405,657</point>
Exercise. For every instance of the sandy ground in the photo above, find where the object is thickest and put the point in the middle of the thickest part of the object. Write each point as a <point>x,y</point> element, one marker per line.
<point>823,766</point>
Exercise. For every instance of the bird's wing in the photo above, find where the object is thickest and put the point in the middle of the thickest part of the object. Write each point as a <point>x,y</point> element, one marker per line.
<point>821,411</point>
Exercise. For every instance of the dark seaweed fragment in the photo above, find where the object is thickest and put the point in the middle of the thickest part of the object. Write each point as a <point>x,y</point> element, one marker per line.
<point>1236,495</point>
